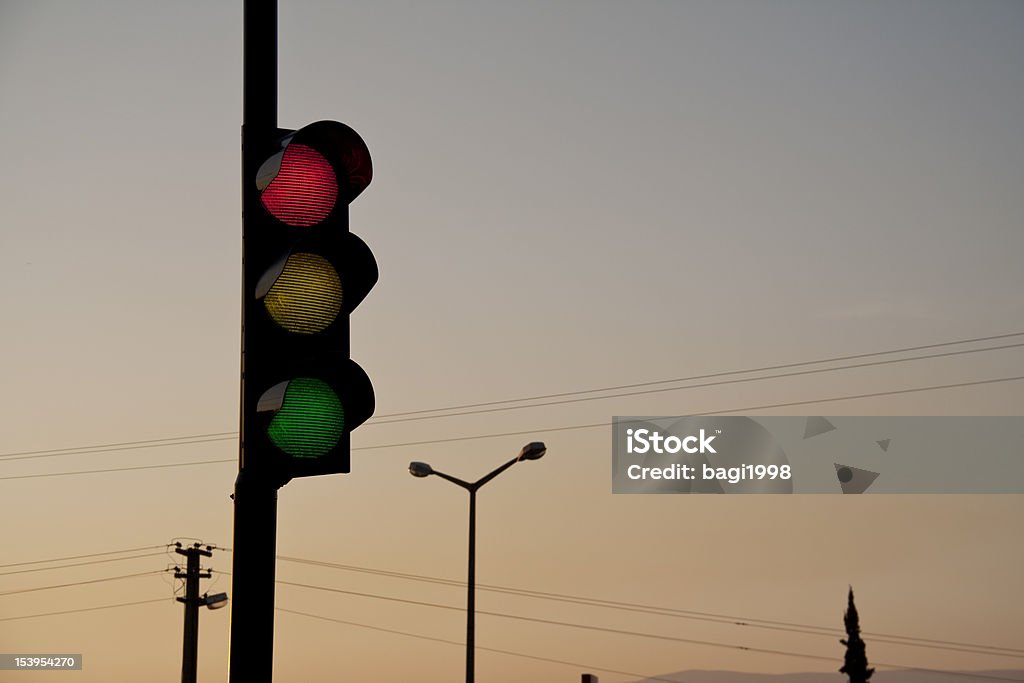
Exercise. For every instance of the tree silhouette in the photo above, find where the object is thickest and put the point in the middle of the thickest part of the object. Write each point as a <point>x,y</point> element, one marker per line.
<point>855,663</point>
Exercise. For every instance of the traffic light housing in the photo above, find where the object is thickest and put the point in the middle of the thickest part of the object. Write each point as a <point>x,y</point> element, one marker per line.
<point>303,274</point>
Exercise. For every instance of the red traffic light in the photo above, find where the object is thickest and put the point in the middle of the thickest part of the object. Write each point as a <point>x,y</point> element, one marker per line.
<point>316,167</point>
<point>304,190</point>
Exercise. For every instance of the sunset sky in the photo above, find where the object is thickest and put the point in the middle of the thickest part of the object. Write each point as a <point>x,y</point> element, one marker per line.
<point>566,196</point>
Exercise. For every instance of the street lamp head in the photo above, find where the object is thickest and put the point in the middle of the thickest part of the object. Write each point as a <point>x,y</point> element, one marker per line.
<point>534,450</point>
<point>215,601</point>
<point>420,469</point>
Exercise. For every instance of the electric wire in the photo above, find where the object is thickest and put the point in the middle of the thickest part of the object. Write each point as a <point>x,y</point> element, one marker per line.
<point>561,597</point>
<point>716,383</point>
<point>80,557</point>
<point>111,446</point>
<point>768,624</point>
<point>121,469</point>
<point>449,607</point>
<point>639,634</point>
<point>33,455</point>
<point>787,404</point>
<point>545,430</point>
<point>381,419</point>
<point>478,647</point>
<point>80,583</point>
<point>83,609</point>
<point>79,564</point>
<point>763,368</point>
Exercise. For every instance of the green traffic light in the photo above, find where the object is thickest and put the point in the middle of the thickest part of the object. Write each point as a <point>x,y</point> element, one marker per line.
<point>309,421</point>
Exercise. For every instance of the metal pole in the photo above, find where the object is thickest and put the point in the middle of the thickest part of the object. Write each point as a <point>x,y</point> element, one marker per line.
<point>251,658</point>
<point>259,66</point>
<point>471,575</point>
<point>471,584</point>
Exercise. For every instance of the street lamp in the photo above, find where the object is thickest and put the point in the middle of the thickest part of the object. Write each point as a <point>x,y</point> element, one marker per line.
<point>215,601</point>
<point>531,451</point>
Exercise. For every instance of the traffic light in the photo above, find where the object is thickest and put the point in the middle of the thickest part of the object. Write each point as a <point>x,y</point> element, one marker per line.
<point>304,273</point>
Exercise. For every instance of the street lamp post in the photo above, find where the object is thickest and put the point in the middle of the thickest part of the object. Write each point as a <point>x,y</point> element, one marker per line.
<point>531,451</point>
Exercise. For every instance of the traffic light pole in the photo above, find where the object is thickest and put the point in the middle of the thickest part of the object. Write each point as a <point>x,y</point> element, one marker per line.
<point>252,580</point>
<point>301,393</point>
<point>251,658</point>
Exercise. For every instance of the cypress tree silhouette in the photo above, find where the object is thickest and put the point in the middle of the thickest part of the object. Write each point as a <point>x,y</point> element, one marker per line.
<point>855,664</point>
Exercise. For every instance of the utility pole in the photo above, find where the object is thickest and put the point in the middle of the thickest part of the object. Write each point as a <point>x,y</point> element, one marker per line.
<point>192,601</point>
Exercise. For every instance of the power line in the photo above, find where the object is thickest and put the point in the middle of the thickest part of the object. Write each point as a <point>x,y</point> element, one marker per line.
<point>680,613</point>
<point>711,375</point>
<point>108,446</point>
<point>478,647</point>
<point>496,614</point>
<point>79,557</point>
<point>121,469</point>
<point>716,383</point>
<point>81,583</point>
<point>709,643</point>
<point>83,609</point>
<point>349,623</point>
<point>171,441</point>
<point>713,412</point>
<point>786,404</point>
<point>448,607</point>
<point>79,564</point>
<point>562,597</point>
<point>230,436</point>
<point>639,634</point>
